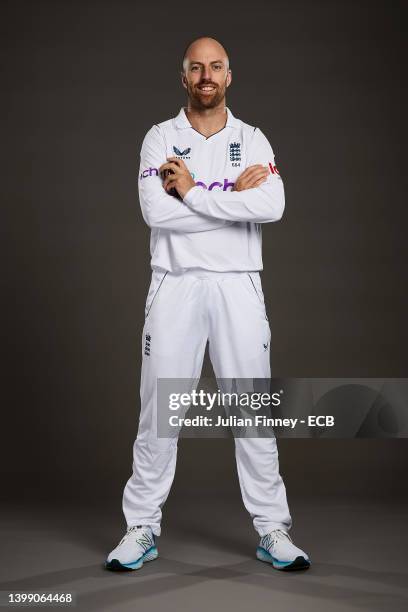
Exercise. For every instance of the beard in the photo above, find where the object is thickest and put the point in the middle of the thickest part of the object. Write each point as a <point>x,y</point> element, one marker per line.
<point>201,101</point>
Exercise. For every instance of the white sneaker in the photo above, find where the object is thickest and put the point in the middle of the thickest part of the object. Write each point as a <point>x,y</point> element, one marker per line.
<point>137,546</point>
<point>278,549</point>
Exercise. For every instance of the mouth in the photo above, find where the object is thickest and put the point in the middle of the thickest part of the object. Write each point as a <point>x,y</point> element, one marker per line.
<point>206,89</point>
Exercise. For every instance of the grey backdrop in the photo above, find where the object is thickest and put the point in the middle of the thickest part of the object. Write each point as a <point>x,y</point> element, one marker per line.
<point>82,83</point>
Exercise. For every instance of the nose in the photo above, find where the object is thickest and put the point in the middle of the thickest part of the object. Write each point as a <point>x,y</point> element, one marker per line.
<point>206,73</point>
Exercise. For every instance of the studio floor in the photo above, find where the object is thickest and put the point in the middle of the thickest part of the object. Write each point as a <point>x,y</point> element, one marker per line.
<point>207,557</point>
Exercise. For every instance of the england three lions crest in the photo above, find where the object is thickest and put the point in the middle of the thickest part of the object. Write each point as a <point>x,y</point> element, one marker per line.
<point>235,153</point>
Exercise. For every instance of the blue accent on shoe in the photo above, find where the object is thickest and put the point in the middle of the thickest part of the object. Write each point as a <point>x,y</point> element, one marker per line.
<point>298,563</point>
<point>150,554</point>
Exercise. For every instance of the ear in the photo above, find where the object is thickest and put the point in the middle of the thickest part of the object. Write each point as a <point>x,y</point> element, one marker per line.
<point>229,78</point>
<point>183,80</point>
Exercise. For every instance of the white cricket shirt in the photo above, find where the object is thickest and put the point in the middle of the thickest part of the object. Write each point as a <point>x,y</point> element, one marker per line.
<point>213,228</point>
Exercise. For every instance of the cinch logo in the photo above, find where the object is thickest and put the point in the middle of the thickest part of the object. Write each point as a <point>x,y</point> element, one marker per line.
<point>224,186</point>
<point>274,169</point>
<point>149,172</point>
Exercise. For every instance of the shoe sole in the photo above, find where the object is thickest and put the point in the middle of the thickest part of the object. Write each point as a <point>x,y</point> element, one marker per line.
<point>117,566</point>
<point>300,563</point>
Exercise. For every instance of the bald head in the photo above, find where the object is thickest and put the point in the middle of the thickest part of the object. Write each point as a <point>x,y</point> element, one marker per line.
<point>204,47</point>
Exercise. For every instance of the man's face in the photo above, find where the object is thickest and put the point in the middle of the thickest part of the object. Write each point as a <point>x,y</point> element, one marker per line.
<point>206,78</point>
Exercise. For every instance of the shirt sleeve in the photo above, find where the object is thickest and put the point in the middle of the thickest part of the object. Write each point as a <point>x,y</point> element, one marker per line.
<point>261,204</point>
<point>160,209</point>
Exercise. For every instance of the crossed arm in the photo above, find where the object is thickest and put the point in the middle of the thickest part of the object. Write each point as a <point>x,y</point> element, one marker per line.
<point>258,194</point>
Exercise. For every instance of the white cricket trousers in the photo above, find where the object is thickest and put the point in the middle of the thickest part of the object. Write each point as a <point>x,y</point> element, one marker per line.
<point>183,312</point>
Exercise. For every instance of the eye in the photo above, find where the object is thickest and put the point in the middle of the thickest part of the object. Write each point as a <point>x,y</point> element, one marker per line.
<point>194,68</point>
<point>217,67</point>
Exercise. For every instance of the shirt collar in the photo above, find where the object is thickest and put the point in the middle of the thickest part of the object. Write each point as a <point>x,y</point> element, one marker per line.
<point>182,122</point>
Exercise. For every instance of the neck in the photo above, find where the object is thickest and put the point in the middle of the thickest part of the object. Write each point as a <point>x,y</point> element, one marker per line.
<point>208,121</point>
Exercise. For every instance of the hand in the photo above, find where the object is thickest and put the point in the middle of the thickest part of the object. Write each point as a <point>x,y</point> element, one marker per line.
<point>178,178</point>
<point>251,177</point>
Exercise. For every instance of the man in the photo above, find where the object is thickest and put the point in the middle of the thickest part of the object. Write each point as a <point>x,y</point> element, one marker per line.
<point>220,185</point>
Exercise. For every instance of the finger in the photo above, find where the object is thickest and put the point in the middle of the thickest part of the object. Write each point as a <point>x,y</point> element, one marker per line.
<point>169,166</point>
<point>261,172</point>
<point>165,174</point>
<point>258,182</point>
<point>259,168</point>
<point>169,182</point>
<point>255,171</point>
<point>176,160</point>
<point>255,166</point>
<point>252,168</point>
<point>255,176</point>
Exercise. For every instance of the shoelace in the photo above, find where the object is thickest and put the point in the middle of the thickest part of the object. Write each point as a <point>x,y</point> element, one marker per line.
<point>135,528</point>
<point>270,539</point>
<point>144,539</point>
